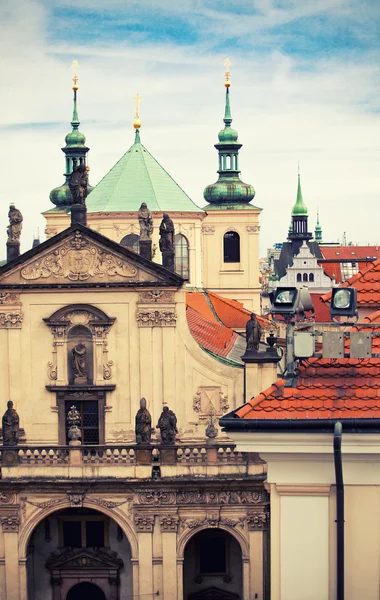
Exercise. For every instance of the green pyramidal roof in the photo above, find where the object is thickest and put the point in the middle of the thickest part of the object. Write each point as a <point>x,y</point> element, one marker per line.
<point>299,209</point>
<point>137,177</point>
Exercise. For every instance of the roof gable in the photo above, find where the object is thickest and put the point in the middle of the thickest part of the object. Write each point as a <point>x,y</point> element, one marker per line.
<point>79,256</point>
<point>137,177</point>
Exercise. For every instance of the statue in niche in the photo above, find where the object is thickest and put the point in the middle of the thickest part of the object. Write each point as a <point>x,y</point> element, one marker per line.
<point>167,424</point>
<point>11,426</point>
<point>145,222</point>
<point>253,334</point>
<point>15,224</point>
<point>79,361</point>
<point>78,183</point>
<point>143,427</point>
<point>166,234</point>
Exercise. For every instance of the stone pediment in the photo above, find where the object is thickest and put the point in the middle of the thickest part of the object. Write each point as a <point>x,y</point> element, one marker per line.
<point>82,558</point>
<point>213,593</point>
<point>79,255</point>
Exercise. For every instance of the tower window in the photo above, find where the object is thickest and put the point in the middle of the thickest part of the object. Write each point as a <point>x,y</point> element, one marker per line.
<point>304,277</point>
<point>299,277</point>
<point>311,277</point>
<point>181,247</point>
<point>231,247</point>
<point>131,241</point>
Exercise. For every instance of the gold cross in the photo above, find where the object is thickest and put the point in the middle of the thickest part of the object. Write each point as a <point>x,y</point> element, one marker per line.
<point>75,65</point>
<point>138,101</point>
<point>227,73</point>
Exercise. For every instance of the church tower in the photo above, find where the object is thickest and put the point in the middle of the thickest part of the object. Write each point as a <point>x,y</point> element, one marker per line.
<point>231,227</point>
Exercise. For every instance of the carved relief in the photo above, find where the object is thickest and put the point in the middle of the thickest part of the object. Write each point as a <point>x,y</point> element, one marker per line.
<point>208,229</point>
<point>52,371</point>
<point>144,523</point>
<point>220,497</point>
<point>156,296</point>
<point>76,499</point>
<point>11,320</point>
<point>257,521</point>
<point>156,497</point>
<point>107,372</point>
<point>253,229</point>
<point>210,400</point>
<point>10,523</point>
<point>7,497</point>
<point>50,231</point>
<point>108,503</point>
<point>43,505</point>
<point>9,298</point>
<point>156,318</point>
<point>169,523</point>
<point>78,260</point>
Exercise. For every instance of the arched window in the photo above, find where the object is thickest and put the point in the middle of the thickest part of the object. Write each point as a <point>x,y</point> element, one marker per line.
<point>131,241</point>
<point>231,247</point>
<point>299,277</point>
<point>304,278</point>
<point>311,277</point>
<point>181,248</point>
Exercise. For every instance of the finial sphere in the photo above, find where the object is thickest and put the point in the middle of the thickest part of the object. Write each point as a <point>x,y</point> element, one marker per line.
<point>137,123</point>
<point>227,84</point>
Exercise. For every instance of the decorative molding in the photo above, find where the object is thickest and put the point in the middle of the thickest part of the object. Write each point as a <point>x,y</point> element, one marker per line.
<point>156,296</point>
<point>43,505</point>
<point>108,503</point>
<point>221,497</point>
<point>253,229</point>
<point>212,521</point>
<point>7,497</point>
<point>107,371</point>
<point>157,497</point>
<point>156,318</point>
<point>10,523</point>
<point>144,523</point>
<point>76,499</point>
<point>303,490</point>
<point>11,320</point>
<point>50,231</point>
<point>52,371</point>
<point>169,523</point>
<point>257,521</point>
<point>78,260</point>
<point>9,298</point>
<point>208,229</point>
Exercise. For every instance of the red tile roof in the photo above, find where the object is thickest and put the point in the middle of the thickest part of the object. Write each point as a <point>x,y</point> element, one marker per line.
<point>350,253</point>
<point>209,334</point>
<point>198,301</point>
<point>232,313</point>
<point>367,283</point>
<point>327,388</point>
<point>321,310</point>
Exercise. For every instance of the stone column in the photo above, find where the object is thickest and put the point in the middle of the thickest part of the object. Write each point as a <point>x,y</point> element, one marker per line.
<point>13,251</point>
<point>146,249</point>
<point>144,525</point>
<point>10,526</point>
<point>169,527</point>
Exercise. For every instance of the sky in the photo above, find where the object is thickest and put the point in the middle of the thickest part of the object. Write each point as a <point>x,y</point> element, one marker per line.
<point>305,87</point>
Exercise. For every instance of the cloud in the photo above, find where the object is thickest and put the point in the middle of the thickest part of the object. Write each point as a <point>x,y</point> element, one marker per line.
<point>319,107</point>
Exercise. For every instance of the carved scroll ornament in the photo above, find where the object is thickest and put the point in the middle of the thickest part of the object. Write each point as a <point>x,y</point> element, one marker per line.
<point>156,318</point>
<point>78,260</point>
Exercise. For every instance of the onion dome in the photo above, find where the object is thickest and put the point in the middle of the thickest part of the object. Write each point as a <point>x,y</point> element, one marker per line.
<point>229,191</point>
<point>75,152</point>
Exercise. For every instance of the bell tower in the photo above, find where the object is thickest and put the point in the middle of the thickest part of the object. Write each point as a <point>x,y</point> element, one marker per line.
<point>231,228</point>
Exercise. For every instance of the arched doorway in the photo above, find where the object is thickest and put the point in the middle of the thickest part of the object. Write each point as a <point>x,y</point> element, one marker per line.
<point>76,546</point>
<point>212,567</point>
<point>85,591</point>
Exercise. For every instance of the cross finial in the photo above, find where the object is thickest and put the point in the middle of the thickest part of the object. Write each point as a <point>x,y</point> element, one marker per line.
<point>136,121</point>
<point>227,73</point>
<point>75,65</point>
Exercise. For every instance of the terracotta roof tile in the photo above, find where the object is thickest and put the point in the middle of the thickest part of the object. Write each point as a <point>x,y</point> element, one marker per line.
<point>209,334</point>
<point>198,301</point>
<point>367,283</point>
<point>232,313</point>
<point>326,389</point>
<point>350,253</point>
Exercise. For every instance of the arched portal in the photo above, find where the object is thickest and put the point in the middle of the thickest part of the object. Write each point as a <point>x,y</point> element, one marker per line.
<point>76,546</point>
<point>213,566</point>
<point>85,591</point>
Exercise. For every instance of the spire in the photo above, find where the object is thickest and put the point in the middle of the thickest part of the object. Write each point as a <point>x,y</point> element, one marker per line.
<point>75,151</point>
<point>229,190</point>
<point>318,230</point>
<point>298,229</point>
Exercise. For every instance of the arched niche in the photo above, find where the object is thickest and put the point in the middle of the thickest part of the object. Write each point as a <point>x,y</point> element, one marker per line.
<point>79,324</point>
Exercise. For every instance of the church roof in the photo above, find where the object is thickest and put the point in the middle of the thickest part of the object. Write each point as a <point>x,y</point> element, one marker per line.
<point>137,177</point>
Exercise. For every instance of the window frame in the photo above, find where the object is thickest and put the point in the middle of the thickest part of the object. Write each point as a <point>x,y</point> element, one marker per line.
<point>236,258</point>
<point>180,272</point>
<point>83,518</point>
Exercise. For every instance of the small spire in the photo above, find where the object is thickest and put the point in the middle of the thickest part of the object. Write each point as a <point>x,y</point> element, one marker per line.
<point>75,120</point>
<point>299,208</point>
<point>227,113</point>
<point>318,229</point>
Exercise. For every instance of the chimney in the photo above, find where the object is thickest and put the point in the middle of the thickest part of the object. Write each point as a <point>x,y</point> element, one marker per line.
<point>260,369</point>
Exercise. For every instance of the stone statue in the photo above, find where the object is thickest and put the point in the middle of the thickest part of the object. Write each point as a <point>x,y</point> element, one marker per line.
<point>73,419</point>
<point>145,222</point>
<point>253,334</point>
<point>11,426</point>
<point>15,224</point>
<point>143,427</point>
<point>79,360</point>
<point>167,424</point>
<point>78,182</point>
<point>166,234</point>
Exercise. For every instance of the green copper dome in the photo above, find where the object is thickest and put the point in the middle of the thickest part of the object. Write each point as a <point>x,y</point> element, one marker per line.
<point>75,152</point>
<point>299,209</point>
<point>229,191</point>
